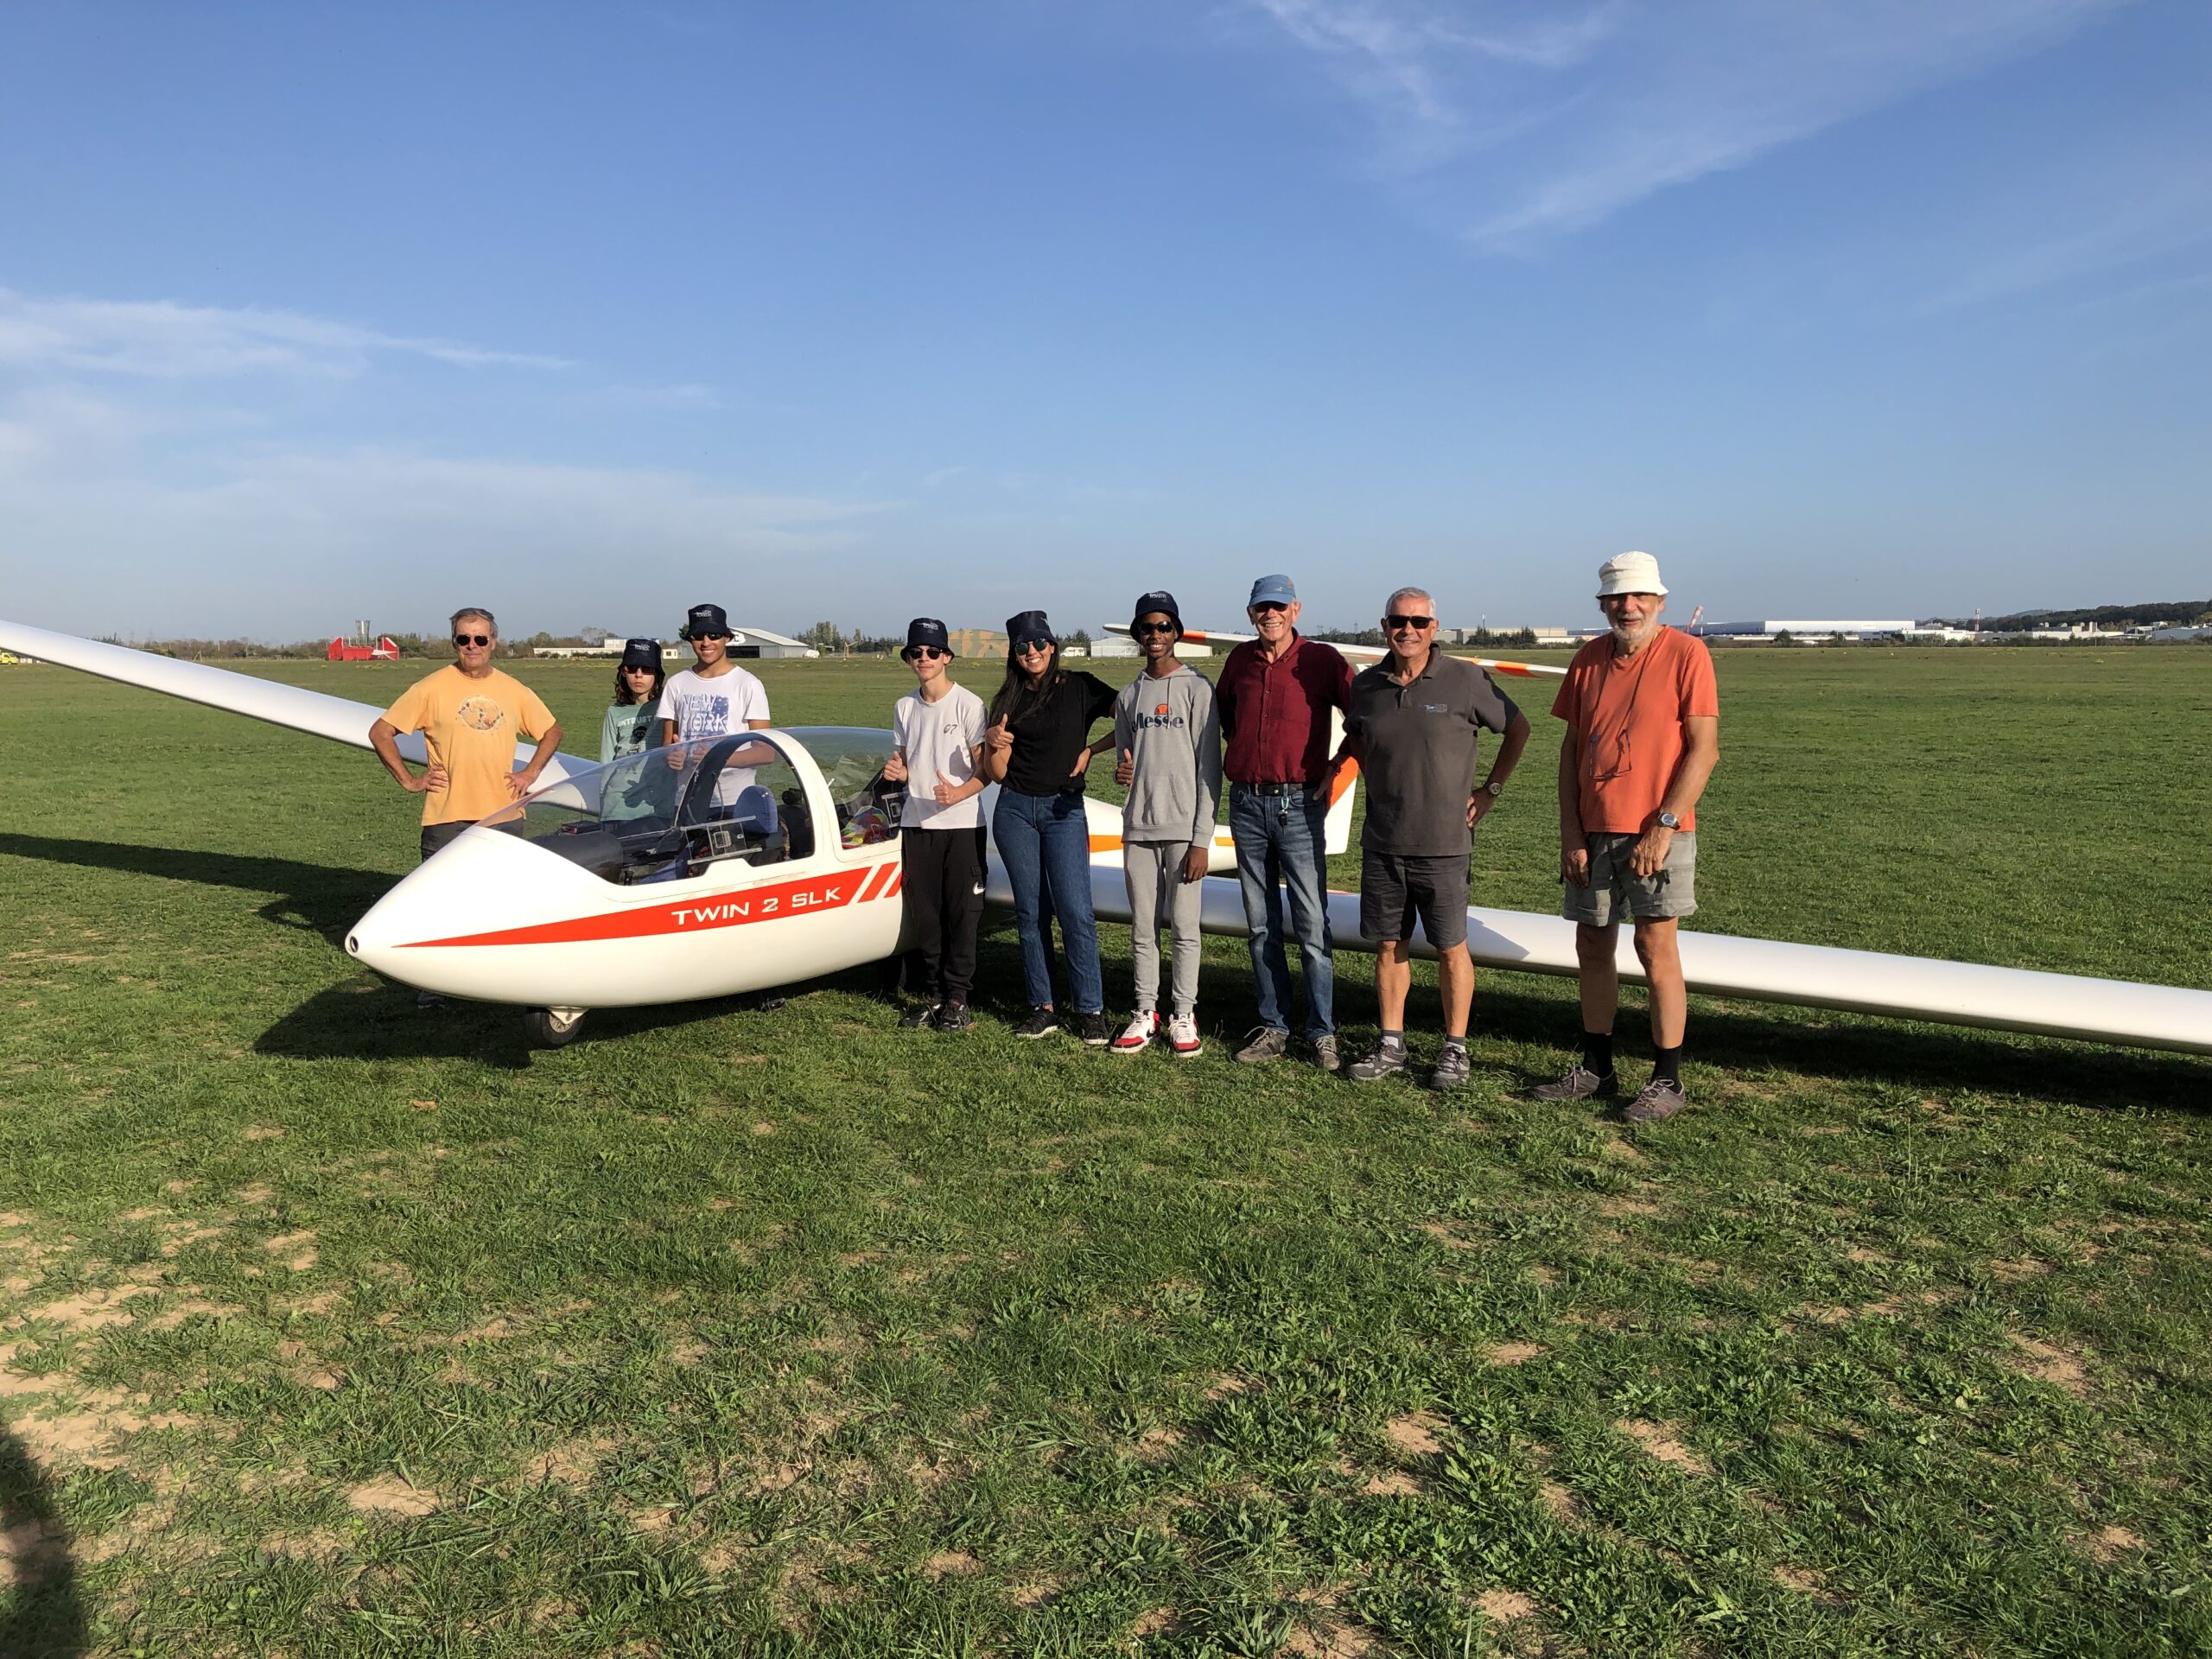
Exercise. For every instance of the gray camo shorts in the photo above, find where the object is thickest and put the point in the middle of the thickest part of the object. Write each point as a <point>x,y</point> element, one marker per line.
<point>1615,889</point>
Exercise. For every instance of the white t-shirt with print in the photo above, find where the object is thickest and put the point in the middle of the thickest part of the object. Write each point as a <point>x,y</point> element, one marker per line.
<point>939,740</point>
<point>709,707</point>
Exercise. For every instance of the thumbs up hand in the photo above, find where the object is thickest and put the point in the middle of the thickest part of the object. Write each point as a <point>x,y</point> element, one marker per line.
<point>999,740</point>
<point>1125,768</point>
<point>894,769</point>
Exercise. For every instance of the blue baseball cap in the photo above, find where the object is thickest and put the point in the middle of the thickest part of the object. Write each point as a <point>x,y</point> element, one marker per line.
<point>1272,590</point>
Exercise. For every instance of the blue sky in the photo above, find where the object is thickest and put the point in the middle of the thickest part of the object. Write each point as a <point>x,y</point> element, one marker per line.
<point>313,313</point>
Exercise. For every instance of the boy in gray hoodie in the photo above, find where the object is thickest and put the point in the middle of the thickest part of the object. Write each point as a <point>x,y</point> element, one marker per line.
<point>1167,733</point>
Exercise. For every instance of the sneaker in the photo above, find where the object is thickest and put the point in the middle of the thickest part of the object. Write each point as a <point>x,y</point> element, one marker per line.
<point>1183,1036</point>
<point>430,1000</point>
<point>1041,1022</point>
<point>1137,1035</point>
<point>1453,1068</point>
<point>917,1015</point>
<point>1379,1061</point>
<point>1265,1044</point>
<point>1091,1027</point>
<point>1656,1101</point>
<point>1580,1083</point>
<point>953,1016</point>
<point>1325,1055</point>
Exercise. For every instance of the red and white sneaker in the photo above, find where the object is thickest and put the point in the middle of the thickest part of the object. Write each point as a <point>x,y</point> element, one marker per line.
<point>1137,1035</point>
<point>1183,1036</point>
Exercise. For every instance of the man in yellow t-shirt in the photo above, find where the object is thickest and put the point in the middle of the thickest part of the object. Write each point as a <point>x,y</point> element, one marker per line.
<point>470,715</point>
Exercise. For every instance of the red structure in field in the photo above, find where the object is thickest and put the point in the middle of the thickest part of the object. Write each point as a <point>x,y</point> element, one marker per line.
<point>383,651</point>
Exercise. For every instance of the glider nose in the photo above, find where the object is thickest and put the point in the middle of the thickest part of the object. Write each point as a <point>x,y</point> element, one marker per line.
<point>461,881</point>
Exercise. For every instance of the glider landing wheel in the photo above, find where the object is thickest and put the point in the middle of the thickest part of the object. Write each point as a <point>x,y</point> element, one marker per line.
<point>553,1028</point>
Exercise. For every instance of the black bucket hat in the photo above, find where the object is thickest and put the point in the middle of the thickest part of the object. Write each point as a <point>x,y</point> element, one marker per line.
<point>1160,601</point>
<point>927,631</point>
<point>1026,626</point>
<point>641,653</point>
<point>705,621</point>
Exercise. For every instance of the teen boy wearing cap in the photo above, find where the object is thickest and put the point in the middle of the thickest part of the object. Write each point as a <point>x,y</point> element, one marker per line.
<point>1413,728</point>
<point>1642,733</point>
<point>940,729</point>
<point>1167,733</point>
<point>714,697</point>
<point>1274,693</point>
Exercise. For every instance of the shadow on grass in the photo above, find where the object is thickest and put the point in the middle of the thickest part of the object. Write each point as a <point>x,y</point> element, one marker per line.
<point>41,1615</point>
<point>315,898</point>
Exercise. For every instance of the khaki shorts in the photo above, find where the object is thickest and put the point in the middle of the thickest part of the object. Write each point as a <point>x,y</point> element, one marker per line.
<point>1614,889</point>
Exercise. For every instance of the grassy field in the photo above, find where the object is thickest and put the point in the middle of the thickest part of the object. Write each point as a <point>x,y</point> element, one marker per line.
<point>331,1327</point>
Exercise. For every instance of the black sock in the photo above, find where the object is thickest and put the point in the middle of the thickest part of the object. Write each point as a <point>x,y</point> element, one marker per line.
<point>1598,1053</point>
<point>1667,1065</point>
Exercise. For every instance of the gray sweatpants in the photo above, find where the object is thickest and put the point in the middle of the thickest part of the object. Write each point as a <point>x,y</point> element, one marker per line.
<point>1153,867</point>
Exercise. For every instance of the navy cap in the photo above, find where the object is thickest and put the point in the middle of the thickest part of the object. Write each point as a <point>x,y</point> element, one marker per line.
<point>1026,626</point>
<point>1157,600</point>
<point>927,631</point>
<point>641,653</point>
<point>1272,590</point>
<point>706,619</point>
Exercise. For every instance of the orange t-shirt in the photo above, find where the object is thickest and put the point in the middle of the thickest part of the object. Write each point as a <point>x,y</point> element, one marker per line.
<point>1629,712</point>
<point>470,727</point>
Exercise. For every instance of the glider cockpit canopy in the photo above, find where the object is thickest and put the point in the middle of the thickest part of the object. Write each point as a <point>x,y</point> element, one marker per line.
<point>759,798</point>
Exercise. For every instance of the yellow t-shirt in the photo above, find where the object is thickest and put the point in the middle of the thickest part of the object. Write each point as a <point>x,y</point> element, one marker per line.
<point>471,727</point>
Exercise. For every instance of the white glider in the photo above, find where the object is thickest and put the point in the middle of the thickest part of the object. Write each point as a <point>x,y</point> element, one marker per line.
<point>637,882</point>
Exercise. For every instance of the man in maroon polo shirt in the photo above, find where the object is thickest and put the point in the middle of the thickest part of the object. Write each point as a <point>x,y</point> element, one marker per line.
<point>1274,695</point>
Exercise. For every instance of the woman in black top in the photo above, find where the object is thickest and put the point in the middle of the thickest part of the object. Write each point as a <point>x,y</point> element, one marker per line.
<point>1036,750</point>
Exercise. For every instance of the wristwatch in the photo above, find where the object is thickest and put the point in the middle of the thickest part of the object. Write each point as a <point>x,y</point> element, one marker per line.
<point>1491,788</point>
<point>1669,820</point>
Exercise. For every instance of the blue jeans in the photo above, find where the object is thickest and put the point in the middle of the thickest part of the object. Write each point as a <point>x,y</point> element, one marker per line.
<point>1046,841</point>
<point>1279,841</point>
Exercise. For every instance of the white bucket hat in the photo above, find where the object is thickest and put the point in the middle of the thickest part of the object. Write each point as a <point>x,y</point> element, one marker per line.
<point>1629,572</point>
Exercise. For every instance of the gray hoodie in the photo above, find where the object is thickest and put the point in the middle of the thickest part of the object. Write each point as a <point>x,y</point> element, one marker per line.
<point>1172,731</point>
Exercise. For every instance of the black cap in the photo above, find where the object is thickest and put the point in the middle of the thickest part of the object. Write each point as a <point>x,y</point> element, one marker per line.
<point>928,630</point>
<point>706,619</point>
<point>1158,601</point>
<point>641,653</point>
<point>1026,626</point>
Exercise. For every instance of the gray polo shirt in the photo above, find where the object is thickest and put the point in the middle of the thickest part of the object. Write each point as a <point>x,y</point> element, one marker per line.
<point>1419,753</point>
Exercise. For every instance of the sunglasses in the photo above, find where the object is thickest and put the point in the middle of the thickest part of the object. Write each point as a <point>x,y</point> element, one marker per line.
<point>923,653</point>
<point>636,668</point>
<point>1267,608</point>
<point>1037,646</point>
<point>1152,628</point>
<point>1416,623</point>
<point>471,639</point>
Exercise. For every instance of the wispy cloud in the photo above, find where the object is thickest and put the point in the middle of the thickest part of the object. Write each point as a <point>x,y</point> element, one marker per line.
<point>164,339</point>
<point>1518,124</point>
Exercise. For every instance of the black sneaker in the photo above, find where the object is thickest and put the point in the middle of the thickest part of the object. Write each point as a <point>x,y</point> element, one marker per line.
<point>1581,1083</point>
<point>1453,1070</point>
<point>1380,1061</point>
<point>917,1015</point>
<point>430,999</point>
<point>1091,1027</point>
<point>1041,1022</point>
<point>953,1016</point>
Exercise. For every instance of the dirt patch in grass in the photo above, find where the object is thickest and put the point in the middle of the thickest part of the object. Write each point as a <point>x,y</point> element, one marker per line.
<point>1331,1636</point>
<point>1802,1580</point>
<point>390,1494</point>
<point>1394,1483</point>
<point>1157,1622</point>
<point>1503,1606</point>
<point>1658,1441</point>
<point>260,1132</point>
<point>947,1561</point>
<point>1559,1503</point>
<point>297,1250</point>
<point>1415,1434</point>
<point>572,1463</point>
<point>2049,1364</point>
<point>2110,1544</point>
<point>1513,1353</point>
<point>90,1310</point>
<point>318,1545</point>
<point>2015,1272</point>
<point>1033,1593</point>
<point>1442,1232</point>
<point>1156,1446</point>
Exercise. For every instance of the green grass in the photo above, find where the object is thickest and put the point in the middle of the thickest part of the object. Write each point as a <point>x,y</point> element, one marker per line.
<point>330,1328</point>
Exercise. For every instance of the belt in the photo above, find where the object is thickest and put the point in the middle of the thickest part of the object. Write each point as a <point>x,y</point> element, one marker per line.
<point>1274,789</point>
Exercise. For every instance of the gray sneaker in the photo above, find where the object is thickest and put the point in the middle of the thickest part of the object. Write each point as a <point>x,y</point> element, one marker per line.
<point>1325,1055</point>
<point>1265,1044</point>
<point>1379,1061</point>
<point>1452,1069</point>
<point>1656,1101</point>
<point>1580,1083</point>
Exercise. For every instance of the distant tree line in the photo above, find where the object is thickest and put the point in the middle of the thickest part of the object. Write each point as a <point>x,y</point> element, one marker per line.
<point>2185,612</point>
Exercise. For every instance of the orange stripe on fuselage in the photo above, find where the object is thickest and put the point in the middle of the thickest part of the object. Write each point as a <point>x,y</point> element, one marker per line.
<point>748,905</point>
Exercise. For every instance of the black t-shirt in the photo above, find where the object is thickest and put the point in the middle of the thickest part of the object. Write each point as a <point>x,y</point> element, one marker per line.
<point>1047,735</point>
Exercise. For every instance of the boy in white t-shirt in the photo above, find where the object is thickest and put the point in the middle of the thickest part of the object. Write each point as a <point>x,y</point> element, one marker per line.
<point>714,699</point>
<point>939,727</point>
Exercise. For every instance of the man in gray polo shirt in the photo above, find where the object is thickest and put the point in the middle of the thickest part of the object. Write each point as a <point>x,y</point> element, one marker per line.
<point>1413,726</point>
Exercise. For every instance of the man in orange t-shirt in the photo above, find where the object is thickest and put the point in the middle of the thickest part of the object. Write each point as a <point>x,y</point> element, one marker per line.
<point>470,714</point>
<point>1642,732</point>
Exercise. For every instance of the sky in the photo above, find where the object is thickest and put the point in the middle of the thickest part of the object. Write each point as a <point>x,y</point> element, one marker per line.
<point>854,312</point>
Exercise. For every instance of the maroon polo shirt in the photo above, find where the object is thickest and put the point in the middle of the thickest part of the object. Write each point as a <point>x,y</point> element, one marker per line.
<point>1274,717</point>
